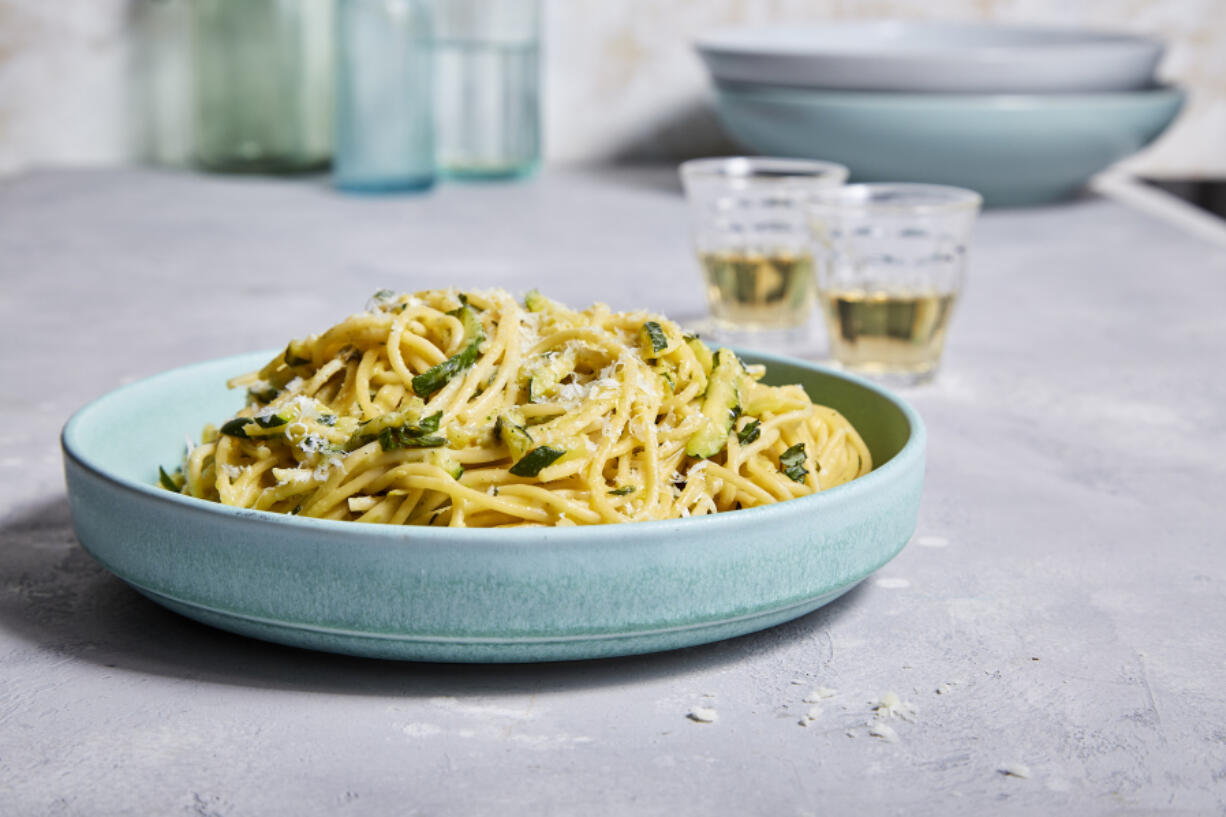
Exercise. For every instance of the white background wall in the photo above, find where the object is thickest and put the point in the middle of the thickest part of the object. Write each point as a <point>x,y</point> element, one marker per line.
<point>622,81</point>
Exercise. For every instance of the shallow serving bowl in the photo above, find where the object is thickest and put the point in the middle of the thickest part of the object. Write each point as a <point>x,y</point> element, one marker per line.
<point>929,56</point>
<point>1012,149</point>
<point>531,594</point>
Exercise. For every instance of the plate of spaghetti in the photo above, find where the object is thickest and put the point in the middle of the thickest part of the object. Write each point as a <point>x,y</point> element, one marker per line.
<point>458,475</point>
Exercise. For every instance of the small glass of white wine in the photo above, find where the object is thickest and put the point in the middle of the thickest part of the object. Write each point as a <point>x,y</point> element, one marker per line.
<point>891,259</point>
<point>751,234</point>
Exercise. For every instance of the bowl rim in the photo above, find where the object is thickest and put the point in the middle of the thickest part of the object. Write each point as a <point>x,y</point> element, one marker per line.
<point>762,170</point>
<point>1070,40</point>
<point>857,199</point>
<point>913,449</point>
<point>798,95</point>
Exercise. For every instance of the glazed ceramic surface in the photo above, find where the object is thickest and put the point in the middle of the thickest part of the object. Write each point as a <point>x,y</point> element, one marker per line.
<point>896,55</point>
<point>529,594</point>
<point>1012,149</point>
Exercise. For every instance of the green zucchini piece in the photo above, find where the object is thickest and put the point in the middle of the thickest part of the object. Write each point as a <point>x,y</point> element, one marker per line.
<point>792,463</point>
<point>546,374</point>
<point>398,429</point>
<point>510,429</point>
<point>434,378</point>
<point>653,339</point>
<point>534,301</point>
<point>296,354</point>
<point>759,398</point>
<point>536,460</point>
<point>720,407</point>
<point>702,353</point>
<point>445,461</point>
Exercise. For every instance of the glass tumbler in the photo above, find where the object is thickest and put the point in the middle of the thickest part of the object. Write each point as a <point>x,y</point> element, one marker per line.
<point>750,231</point>
<point>263,84</point>
<point>384,96</point>
<point>488,78</point>
<point>891,263</point>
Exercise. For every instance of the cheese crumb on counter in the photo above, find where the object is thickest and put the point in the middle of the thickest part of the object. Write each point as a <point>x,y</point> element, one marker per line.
<point>703,714</point>
<point>813,713</point>
<point>819,694</point>
<point>891,706</point>
<point>884,731</point>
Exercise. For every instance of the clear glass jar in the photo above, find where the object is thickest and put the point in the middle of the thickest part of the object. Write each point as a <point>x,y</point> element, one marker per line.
<point>263,84</point>
<point>751,233</point>
<point>892,262</point>
<point>384,96</point>
<point>488,82</point>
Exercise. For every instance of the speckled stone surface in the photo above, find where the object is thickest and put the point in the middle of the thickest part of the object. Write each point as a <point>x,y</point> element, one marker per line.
<point>1064,591</point>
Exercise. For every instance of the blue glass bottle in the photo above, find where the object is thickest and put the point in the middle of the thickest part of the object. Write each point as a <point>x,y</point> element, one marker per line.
<point>384,96</point>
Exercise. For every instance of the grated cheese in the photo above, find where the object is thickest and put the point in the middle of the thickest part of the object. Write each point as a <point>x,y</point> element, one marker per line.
<point>891,706</point>
<point>818,694</point>
<point>884,731</point>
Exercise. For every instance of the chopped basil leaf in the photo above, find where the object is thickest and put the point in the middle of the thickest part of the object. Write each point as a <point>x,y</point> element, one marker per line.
<point>271,421</point>
<point>536,460</point>
<point>622,491</point>
<point>166,481</point>
<point>236,427</point>
<point>327,419</point>
<point>434,378</point>
<point>391,439</point>
<point>266,395</point>
<point>750,432</point>
<point>428,424</point>
<point>792,462</point>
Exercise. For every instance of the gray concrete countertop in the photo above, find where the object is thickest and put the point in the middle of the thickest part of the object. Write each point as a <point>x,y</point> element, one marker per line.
<point>1065,592</point>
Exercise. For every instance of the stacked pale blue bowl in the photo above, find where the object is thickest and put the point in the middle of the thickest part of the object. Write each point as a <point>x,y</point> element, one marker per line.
<point>1023,115</point>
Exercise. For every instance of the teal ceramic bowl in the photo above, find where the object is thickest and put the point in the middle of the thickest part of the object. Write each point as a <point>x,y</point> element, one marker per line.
<point>1017,149</point>
<point>533,594</point>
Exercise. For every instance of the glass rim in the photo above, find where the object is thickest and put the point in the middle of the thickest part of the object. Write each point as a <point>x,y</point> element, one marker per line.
<point>760,169</point>
<point>929,199</point>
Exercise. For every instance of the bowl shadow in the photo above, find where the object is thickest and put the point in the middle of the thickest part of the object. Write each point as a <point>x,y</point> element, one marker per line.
<point>57,599</point>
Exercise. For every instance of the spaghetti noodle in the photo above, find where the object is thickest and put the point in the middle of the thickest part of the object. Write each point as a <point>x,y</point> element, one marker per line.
<point>470,410</point>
